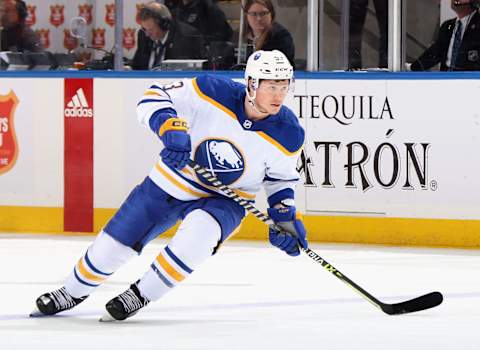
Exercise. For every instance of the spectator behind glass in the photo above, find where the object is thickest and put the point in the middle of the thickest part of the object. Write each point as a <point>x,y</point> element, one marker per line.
<point>263,32</point>
<point>204,15</point>
<point>457,47</point>
<point>358,12</point>
<point>15,34</point>
<point>163,38</point>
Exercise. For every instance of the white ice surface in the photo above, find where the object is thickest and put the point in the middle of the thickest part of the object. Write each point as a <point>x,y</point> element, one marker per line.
<point>248,296</point>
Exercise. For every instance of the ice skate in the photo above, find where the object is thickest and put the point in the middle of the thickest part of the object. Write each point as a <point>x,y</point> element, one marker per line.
<point>124,305</point>
<point>53,302</point>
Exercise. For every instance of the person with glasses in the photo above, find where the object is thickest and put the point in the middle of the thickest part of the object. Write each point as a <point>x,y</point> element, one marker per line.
<point>162,38</point>
<point>262,32</point>
<point>457,47</point>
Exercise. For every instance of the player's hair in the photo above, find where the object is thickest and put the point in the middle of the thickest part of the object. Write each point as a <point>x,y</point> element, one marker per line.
<point>159,13</point>
<point>247,31</point>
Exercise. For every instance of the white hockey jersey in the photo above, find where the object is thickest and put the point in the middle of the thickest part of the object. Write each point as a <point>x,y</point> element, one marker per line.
<point>243,154</point>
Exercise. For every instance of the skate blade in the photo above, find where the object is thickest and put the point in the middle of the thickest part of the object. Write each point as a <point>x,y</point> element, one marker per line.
<point>36,313</point>
<point>107,318</point>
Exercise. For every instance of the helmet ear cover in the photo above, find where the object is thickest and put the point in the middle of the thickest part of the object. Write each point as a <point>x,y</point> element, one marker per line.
<point>255,83</point>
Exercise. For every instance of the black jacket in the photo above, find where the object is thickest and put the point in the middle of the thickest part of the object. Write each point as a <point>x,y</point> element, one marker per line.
<point>469,55</point>
<point>183,42</point>
<point>19,39</point>
<point>204,15</point>
<point>280,39</point>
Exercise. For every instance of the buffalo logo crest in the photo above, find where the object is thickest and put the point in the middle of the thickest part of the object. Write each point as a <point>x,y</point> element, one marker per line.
<point>222,159</point>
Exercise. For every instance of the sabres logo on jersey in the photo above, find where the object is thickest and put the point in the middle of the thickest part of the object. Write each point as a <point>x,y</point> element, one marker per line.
<point>222,158</point>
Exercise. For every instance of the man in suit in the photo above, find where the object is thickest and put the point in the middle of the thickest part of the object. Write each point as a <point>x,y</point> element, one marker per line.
<point>163,38</point>
<point>457,47</point>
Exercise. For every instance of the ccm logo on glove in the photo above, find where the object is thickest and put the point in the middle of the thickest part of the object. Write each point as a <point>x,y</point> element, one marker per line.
<point>173,124</point>
<point>176,140</point>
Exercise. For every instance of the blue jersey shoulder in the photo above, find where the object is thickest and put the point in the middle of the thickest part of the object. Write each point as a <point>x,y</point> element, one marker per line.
<point>221,89</point>
<point>285,129</point>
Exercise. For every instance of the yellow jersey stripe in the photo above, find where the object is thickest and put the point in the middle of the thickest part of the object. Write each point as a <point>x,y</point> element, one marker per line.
<point>178,184</point>
<point>276,144</point>
<point>212,101</point>
<point>245,195</point>
<point>233,115</point>
<point>87,274</point>
<point>177,276</point>
<point>151,93</point>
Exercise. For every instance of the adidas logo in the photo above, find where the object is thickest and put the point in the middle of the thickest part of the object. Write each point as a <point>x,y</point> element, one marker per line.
<point>78,106</point>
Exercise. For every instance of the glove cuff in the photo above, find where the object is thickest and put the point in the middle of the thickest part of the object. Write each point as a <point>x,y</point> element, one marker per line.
<point>173,124</point>
<point>282,214</point>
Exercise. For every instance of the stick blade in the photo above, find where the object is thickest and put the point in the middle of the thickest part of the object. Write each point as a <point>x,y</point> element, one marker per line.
<point>423,302</point>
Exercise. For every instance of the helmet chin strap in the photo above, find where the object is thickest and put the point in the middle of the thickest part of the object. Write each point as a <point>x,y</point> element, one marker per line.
<point>252,103</point>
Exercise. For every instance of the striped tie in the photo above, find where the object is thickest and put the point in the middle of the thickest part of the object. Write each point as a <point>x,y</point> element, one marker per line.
<point>457,41</point>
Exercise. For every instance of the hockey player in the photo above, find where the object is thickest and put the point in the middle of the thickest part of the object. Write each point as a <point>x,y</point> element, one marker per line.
<point>242,134</point>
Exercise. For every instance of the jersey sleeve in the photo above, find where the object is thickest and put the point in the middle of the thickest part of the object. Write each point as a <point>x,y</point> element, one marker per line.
<point>281,174</point>
<point>280,179</point>
<point>163,101</point>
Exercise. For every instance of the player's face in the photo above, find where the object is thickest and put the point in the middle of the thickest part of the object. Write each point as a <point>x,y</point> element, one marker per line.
<point>151,29</point>
<point>270,95</point>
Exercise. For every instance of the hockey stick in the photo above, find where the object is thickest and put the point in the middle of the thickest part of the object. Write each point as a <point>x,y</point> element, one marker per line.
<point>423,302</point>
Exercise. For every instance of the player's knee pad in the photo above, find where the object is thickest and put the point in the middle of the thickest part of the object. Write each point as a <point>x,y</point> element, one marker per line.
<point>196,238</point>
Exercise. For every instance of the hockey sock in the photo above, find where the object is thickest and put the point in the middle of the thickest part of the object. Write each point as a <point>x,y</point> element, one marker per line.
<point>102,258</point>
<point>166,271</point>
<point>192,244</point>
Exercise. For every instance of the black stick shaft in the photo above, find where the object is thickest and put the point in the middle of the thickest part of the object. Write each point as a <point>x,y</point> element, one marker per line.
<point>417,304</point>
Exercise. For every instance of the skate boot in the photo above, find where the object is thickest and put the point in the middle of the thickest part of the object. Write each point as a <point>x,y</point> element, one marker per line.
<point>124,305</point>
<point>54,302</point>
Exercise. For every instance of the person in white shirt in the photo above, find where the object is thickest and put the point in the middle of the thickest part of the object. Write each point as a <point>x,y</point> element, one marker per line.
<point>457,47</point>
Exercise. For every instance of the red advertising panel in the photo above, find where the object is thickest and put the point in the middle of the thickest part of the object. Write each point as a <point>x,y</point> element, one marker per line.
<point>8,139</point>
<point>78,172</point>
